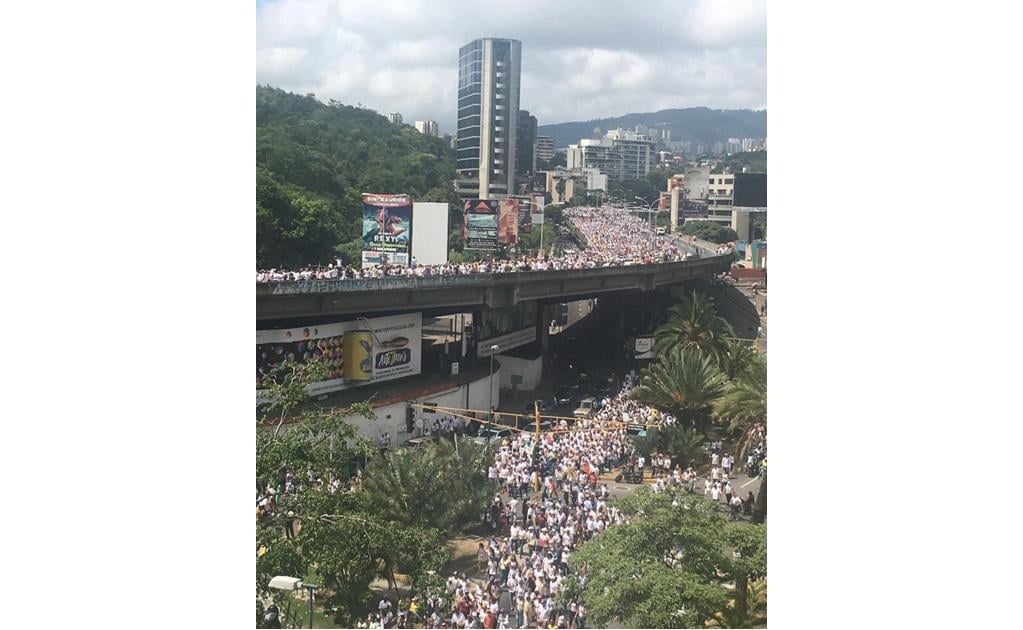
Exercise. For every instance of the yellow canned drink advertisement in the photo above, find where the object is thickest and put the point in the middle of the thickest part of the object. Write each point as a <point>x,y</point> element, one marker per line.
<point>358,356</point>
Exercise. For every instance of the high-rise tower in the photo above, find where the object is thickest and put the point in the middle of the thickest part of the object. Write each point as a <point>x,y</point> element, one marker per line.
<point>488,108</point>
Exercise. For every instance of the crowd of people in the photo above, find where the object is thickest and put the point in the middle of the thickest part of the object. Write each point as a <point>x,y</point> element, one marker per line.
<point>550,500</point>
<point>612,237</point>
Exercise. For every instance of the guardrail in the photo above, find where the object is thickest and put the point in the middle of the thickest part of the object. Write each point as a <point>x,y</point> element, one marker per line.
<point>470,280</point>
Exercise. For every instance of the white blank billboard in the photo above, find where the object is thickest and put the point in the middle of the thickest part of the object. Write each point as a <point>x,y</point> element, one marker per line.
<point>430,233</point>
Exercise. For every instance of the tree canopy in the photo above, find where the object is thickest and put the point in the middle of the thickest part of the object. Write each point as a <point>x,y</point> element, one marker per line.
<point>436,485</point>
<point>313,162</point>
<point>674,564</point>
<point>710,231</point>
<point>345,535</point>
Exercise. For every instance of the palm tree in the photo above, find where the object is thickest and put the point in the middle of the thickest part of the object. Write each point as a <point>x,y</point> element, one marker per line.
<point>433,486</point>
<point>737,359</point>
<point>684,383</point>
<point>684,445</point>
<point>694,322</point>
<point>744,404</point>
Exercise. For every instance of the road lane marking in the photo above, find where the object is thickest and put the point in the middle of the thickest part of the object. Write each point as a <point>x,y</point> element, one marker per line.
<point>749,482</point>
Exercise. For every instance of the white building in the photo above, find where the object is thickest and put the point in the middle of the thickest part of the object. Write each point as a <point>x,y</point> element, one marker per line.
<point>394,118</point>
<point>621,155</point>
<point>428,128</point>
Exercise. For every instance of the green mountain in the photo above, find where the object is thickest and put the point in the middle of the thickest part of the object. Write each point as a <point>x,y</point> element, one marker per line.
<point>314,161</point>
<point>698,124</point>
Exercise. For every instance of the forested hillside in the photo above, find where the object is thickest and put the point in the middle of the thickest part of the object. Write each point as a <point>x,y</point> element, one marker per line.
<point>695,123</point>
<point>314,161</point>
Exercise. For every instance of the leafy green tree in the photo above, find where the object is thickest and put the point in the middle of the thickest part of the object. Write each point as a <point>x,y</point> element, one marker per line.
<point>755,161</point>
<point>341,539</point>
<point>350,253</point>
<point>694,322</point>
<point>314,160</point>
<point>669,566</point>
<point>684,383</point>
<point>658,177</point>
<point>710,231</point>
<point>559,159</point>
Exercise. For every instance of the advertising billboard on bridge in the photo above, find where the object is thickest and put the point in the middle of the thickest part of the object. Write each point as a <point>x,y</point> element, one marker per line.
<point>355,352</point>
<point>480,228</point>
<point>386,229</point>
<point>525,215</point>
<point>508,219</point>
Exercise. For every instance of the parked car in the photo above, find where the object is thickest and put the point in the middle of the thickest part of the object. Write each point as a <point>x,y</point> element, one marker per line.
<point>563,396</point>
<point>545,425</point>
<point>585,409</point>
<point>491,434</point>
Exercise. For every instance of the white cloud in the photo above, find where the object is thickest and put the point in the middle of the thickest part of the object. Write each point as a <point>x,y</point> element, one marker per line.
<point>581,60</point>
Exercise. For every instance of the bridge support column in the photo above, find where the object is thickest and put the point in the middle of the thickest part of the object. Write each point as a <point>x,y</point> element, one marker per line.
<point>543,321</point>
<point>477,331</point>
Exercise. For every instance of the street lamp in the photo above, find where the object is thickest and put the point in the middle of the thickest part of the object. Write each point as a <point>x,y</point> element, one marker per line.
<point>542,220</point>
<point>493,350</point>
<point>285,583</point>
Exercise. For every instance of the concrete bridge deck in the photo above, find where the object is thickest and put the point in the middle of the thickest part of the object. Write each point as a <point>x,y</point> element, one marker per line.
<point>478,291</point>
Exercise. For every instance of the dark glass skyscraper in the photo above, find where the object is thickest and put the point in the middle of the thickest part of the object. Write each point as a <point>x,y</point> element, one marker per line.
<point>488,108</point>
<point>525,161</point>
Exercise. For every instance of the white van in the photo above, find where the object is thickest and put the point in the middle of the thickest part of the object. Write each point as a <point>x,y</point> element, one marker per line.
<point>661,231</point>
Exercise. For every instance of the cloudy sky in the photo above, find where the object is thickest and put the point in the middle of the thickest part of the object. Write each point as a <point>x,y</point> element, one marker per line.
<point>580,59</point>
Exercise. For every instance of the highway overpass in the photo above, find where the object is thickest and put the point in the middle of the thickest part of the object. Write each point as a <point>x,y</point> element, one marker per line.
<point>317,298</point>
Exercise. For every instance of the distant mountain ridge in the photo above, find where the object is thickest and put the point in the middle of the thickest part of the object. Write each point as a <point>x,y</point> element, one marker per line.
<point>698,124</point>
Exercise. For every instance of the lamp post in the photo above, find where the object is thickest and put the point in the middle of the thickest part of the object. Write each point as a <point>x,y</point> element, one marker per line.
<point>493,350</point>
<point>285,583</point>
<point>543,222</point>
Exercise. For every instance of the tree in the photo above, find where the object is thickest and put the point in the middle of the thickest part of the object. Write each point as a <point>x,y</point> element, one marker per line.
<point>710,231</point>
<point>683,444</point>
<point>684,383</point>
<point>314,160</point>
<point>558,159</point>
<point>743,407</point>
<point>437,485</point>
<point>342,539</point>
<point>694,322</point>
<point>669,566</point>
<point>737,359</point>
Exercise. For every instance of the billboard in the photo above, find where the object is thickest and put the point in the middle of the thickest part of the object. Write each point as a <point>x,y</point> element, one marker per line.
<point>645,347</point>
<point>386,229</point>
<point>525,216</point>
<point>430,224</point>
<point>750,190</point>
<point>508,218</point>
<point>356,352</point>
<point>480,228</point>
